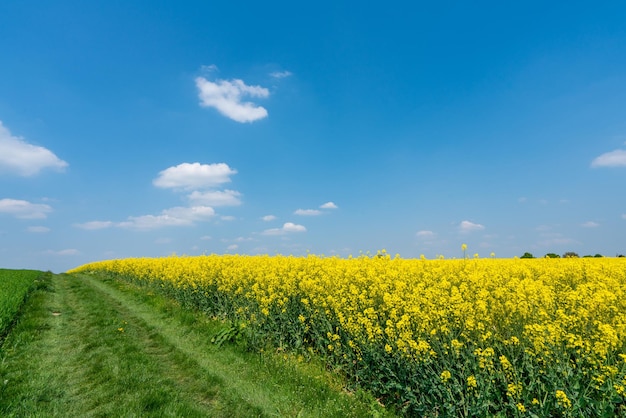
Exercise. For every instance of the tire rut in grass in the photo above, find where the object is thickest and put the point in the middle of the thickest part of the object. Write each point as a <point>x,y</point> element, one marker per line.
<point>140,356</point>
<point>239,386</point>
<point>79,352</point>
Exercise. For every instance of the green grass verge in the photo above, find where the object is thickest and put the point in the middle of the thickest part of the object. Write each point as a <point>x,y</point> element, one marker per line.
<point>14,287</point>
<point>91,347</point>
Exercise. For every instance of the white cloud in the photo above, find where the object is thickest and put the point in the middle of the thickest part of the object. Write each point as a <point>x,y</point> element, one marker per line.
<point>328,205</point>
<point>281,74</point>
<point>232,247</point>
<point>286,228</point>
<point>23,209</point>
<point>624,216</point>
<point>178,216</point>
<point>146,222</point>
<point>308,212</point>
<point>227,218</point>
<point>69,251</point>
<point>95,225</point>
<point>206,237</point>
<point>38,229</point>
<point>467,226</point>
<point>23,158</point>
<point>216,198</point>
<point>194,176</point>
<point>291,227</point>
<point>590,224</point>
<point>425,234</point>
<point>615,158</point>
<point>225,96</point>
<point>268,218</point>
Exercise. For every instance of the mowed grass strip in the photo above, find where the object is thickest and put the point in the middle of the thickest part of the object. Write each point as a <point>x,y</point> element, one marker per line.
<point>91,347</point>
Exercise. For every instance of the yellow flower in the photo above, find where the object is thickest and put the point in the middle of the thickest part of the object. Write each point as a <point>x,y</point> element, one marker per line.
<point>514,389</point>
<point>445,376</point>
<point>471,382</point>
<point>521,407</point>
<point>563,400</point>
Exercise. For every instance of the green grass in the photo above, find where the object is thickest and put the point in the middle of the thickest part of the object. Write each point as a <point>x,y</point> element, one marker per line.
<point>87,346</point>
<point>14,287</point>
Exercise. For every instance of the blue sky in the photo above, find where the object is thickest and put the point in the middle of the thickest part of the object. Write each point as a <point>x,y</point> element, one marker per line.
<point>136,128</point>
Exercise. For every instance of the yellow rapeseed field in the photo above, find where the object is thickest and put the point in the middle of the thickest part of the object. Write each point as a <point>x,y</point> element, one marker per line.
<point>468,337</point>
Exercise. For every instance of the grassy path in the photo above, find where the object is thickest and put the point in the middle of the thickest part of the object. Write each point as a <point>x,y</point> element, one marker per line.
<point>91,347</point>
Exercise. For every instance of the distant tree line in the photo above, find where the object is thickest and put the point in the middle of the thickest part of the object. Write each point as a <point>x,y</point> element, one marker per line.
<point>569,254</point>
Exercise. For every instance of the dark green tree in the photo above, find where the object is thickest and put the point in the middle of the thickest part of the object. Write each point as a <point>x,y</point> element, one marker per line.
<point>570,254</point>
<point>527,255</point>
<point>552,255</point>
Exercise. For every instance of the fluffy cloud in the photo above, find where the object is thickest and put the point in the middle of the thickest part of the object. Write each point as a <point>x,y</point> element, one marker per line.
<point>23,209</point>
<point>38,229</point>
<point>467,226</point>
<point>328,205</point>
<point>194,176</point>
<point>216,198</point>
<point>624,216</point>
<point>615,158</point>
<point>225,96</point>
<point>268,218</point>
<point>308,212</point>
<point>25,159</point>
<point>288,227</point>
